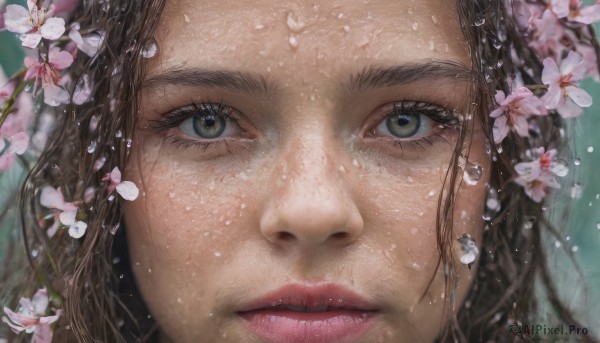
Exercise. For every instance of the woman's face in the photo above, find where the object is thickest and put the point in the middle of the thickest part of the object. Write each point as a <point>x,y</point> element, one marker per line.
<point>290,157</point>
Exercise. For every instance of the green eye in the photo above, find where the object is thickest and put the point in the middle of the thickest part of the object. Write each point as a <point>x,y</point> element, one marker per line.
<point>208,125</point>
<point>403,125</point>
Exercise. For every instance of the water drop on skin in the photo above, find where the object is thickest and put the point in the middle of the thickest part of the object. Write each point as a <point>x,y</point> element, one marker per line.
<point>342,169</point>
<point>295,24</point>
<point>150,49</point>
<point>472,174</point>
<point>355,162</point>
<point>346,28</point>
<point>217,253</point>
<point>293,41</point>
<point>92,147</point>
<point>415,26</point>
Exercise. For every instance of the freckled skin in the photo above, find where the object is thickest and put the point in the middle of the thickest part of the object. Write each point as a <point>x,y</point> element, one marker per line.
<point>307,197</point>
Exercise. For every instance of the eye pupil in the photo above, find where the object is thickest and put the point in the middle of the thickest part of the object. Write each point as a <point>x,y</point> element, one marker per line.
<point>208,125</point>
<point>403,125</point>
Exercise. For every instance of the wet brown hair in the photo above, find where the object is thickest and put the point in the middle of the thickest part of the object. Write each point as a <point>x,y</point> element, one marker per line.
<point>101,302</point>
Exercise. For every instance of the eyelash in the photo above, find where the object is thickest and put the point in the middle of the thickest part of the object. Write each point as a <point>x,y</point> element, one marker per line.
<point>442,117</point>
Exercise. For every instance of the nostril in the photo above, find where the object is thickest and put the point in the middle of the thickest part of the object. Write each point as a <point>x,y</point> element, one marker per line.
<point>340,236</point>
<point>285,236</point>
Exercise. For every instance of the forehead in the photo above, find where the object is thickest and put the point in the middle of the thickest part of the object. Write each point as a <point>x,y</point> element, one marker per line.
<point>307,37</point>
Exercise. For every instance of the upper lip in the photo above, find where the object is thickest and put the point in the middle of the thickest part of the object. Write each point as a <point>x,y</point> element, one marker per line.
<point>306,297</point>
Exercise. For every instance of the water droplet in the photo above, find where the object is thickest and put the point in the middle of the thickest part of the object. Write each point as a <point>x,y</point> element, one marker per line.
<point>293,41</point>
<point>557,244</point>
<point>295,24</point>
<point>111,197</point>
<point>346,28</point>
<point>34,252</point>
<point>186,18</point>
<point>121,276</point>
<point>119,134</point>
<point>434,18</point>
<point>129,142</point>
<point>469,249</point>
<point>576,191</point>
<point>217,253</point>
<point>410,179</point>
<point>574,248</point>
<point>479,19</point>
<point>116,260</point>
<point>568,238</point>
<point>544,208</point>
<point>228,222</point>
<point>415,26</point>
<point>150,49</point>
<point>598,225</point>
<point>590,149</point>
<point>342,169</point>
<point>29,87</point>
<point>243,206</point>
<point>114,229</point>
<point>179,301</point>
<point>499,64</point>
<point>472,174</point>
<point>171,195</point>
<point>431,193</point>
<point>355,162</point>
<point>92,147</point>
<point>577,161</point>
<point>259,26</point>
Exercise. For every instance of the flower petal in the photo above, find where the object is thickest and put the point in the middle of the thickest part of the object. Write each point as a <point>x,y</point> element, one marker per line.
<point>67,218</point>
<point>16,19</point>
<point>30,40</point>
<point>569,109</point>
<point>500,129</point>
<point>43,334</point>
<point>550,74</point>
<point>53,28</point>
<point>128,190</point>
<point>579,96</point>
<point>40,301</point>
<point>60,59</point>
<point>115,175</point>
<point>52,198</point>
<point>568,64</point>
<point>588,15</point>
<point>18,143</point>
<point>78,229</point>
<point>552,98</point>
<point>528,171</point>
<point>55,95</point>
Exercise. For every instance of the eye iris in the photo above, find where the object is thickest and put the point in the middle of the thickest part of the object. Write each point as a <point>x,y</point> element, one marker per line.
<point>208,125</point>
<point>403,125</point>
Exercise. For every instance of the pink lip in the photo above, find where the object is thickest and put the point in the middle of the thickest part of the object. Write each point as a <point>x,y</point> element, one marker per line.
<point>309,313</point>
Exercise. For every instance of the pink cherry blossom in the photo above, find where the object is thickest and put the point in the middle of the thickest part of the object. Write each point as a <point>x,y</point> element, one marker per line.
<point>127,189</point>
<point>540,175</point>
<point>89,43</point>
<point>48,75</point>
<point>574,11</point>
<point>64,212</point>
<point>564,93</point>
<point>31,317</point>
<point>513,111</point>
<point>548,34</point>
<point>15,126</point>
<point>33,24</point>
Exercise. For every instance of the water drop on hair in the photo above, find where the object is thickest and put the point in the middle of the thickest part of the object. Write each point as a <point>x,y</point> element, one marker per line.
<point>150,49</point>
<point>576,191</point>
<point>472,174</point>
<point>479,20</point>
<point>92,147</point>
<point>118,134</point>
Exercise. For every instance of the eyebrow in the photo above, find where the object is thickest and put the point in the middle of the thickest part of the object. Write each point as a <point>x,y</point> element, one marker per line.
<point>255,84</point>
<point>381,77</point>
<point>198,77</point>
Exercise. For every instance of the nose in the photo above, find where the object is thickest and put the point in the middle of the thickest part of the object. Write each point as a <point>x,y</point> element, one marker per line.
<point>312,203</point>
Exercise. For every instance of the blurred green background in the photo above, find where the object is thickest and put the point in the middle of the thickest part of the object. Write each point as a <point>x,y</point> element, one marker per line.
<point>582,227</point>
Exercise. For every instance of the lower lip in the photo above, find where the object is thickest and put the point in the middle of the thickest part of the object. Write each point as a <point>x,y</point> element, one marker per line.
<point>298,327</point>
